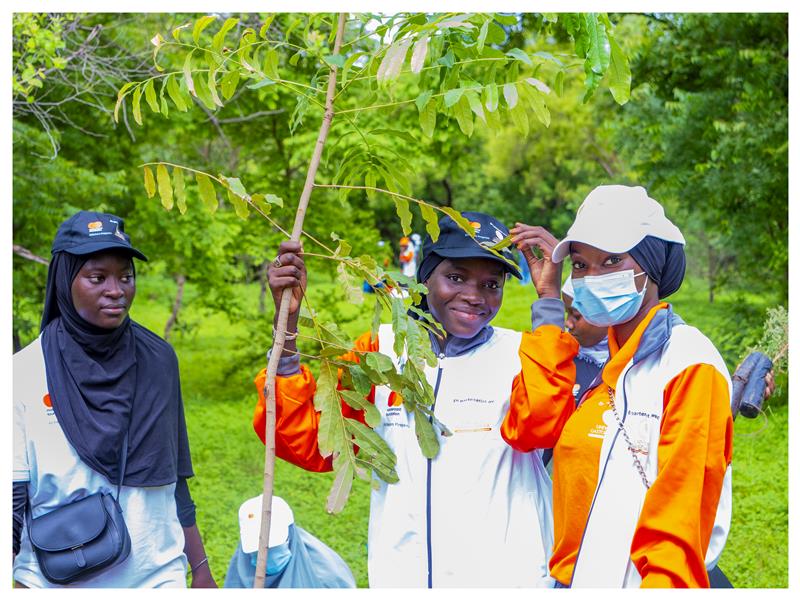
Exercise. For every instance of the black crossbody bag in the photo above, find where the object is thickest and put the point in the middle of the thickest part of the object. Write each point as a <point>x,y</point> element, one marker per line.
<point>77,540</point>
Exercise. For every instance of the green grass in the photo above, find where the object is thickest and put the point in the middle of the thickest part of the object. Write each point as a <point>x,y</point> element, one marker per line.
<point>220,358</point>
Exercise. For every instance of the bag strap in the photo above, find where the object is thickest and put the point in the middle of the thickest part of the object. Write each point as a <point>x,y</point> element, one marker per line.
<point>123,461</point>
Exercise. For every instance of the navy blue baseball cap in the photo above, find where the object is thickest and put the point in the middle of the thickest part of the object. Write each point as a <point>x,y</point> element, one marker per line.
<point>454,242</point>
<point>87,232</point>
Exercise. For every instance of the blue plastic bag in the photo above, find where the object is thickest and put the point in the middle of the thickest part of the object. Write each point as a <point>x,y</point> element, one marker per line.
<point>312,565</point>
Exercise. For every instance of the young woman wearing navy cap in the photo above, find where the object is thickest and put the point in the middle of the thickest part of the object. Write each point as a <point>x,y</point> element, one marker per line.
<point>91,377</point>
<point>479,513</point>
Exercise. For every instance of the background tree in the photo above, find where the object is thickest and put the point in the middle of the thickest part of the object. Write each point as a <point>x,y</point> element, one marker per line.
<point>708,132</point>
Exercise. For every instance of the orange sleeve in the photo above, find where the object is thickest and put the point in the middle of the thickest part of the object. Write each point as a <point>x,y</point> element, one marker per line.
<point>694,451</point>
<point>297,421</point>
<point>541,395</point>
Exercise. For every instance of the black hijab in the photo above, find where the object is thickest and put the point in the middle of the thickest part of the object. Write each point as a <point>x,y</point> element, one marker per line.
<point>664,262</point>
<point>104,382</point>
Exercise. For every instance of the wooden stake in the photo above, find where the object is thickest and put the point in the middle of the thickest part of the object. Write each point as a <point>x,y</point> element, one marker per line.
<point>283,317</point>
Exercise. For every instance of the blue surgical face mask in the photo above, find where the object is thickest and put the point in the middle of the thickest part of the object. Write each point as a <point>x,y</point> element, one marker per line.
<point>606,300</point>
<point>277,558</point>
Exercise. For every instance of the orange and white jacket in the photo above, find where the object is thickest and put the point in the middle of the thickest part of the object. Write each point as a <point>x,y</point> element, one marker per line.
<point>672,391</point>
<point>479,513</point>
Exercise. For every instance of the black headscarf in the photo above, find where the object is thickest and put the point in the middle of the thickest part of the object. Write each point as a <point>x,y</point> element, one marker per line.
<point>103,382</point>
<point>664,262</point>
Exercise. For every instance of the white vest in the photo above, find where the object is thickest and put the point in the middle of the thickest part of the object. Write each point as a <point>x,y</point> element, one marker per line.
<point>56,475</point>
<point>604,556</point>
<point>480,513</point>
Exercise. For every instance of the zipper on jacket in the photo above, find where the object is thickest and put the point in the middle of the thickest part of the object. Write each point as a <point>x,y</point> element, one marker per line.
<point>428,490</point>
<point>602,476</point>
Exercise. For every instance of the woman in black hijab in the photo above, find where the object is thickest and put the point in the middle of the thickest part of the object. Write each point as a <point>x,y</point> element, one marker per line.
<point>92,377</point>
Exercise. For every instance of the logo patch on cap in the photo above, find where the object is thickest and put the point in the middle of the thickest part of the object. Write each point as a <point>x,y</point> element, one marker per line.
<point>47,402</point>
<point>95,226</point>
<point>476,226</point>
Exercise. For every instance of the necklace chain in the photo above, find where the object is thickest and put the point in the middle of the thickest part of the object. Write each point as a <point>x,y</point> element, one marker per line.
<point>636,460</point>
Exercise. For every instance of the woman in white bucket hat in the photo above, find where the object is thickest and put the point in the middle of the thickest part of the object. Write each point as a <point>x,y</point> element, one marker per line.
<point>641,480</point>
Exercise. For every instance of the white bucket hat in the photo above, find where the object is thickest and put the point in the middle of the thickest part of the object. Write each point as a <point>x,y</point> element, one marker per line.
<point>250,523</point>
<point>615,218</point>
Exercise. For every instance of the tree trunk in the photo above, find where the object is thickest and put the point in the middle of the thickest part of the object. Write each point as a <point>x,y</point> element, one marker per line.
<point>712,273</point>
<point>279,334</point>
<point>180,279</point>
<point>448,199</point>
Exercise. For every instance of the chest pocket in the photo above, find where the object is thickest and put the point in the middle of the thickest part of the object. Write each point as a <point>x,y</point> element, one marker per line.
<point>470,405</point>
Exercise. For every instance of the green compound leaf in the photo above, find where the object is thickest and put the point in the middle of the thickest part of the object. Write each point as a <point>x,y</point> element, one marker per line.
<point>426,435</point>
<point>463,114</point>
<point>239,205</point>
<point>137,105</point>
<point>427,118</point>
<point>342,483</point>
<point>212,88</point>
<point>120,97</point>
<point>201,24</point>
<point>149,182</point>
<point>206,191</point>
<point>419,53</point>
<point>399,325</point>
<point>475,105</point>
<point>520,55</point>
<point>262,33</point>
<point>403,211</point>
<point>326,401</point>
<point>174,91</point>
<point>377,314</point>
<point>164,187</point>
<point>520,119</point>
<point>348,64</point>
<point>510,94</point>
<point>504,243</point>
<point>491,97</point>
<point>619,74</point>
<point>451,97</point>
<point>187,73</point>
<point>536,99</point>
<point>482,35</point>
<point>379,362</point>
<point>219,37</point>
<point>460,220</point>
<point>271,64</point>
<point>355,400</point>
<point>372,445</point>
<point>180,190</point>
<point>361,383</point>
<point>228,84</point>
<point>431,220</point>
<point>150,96</point>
